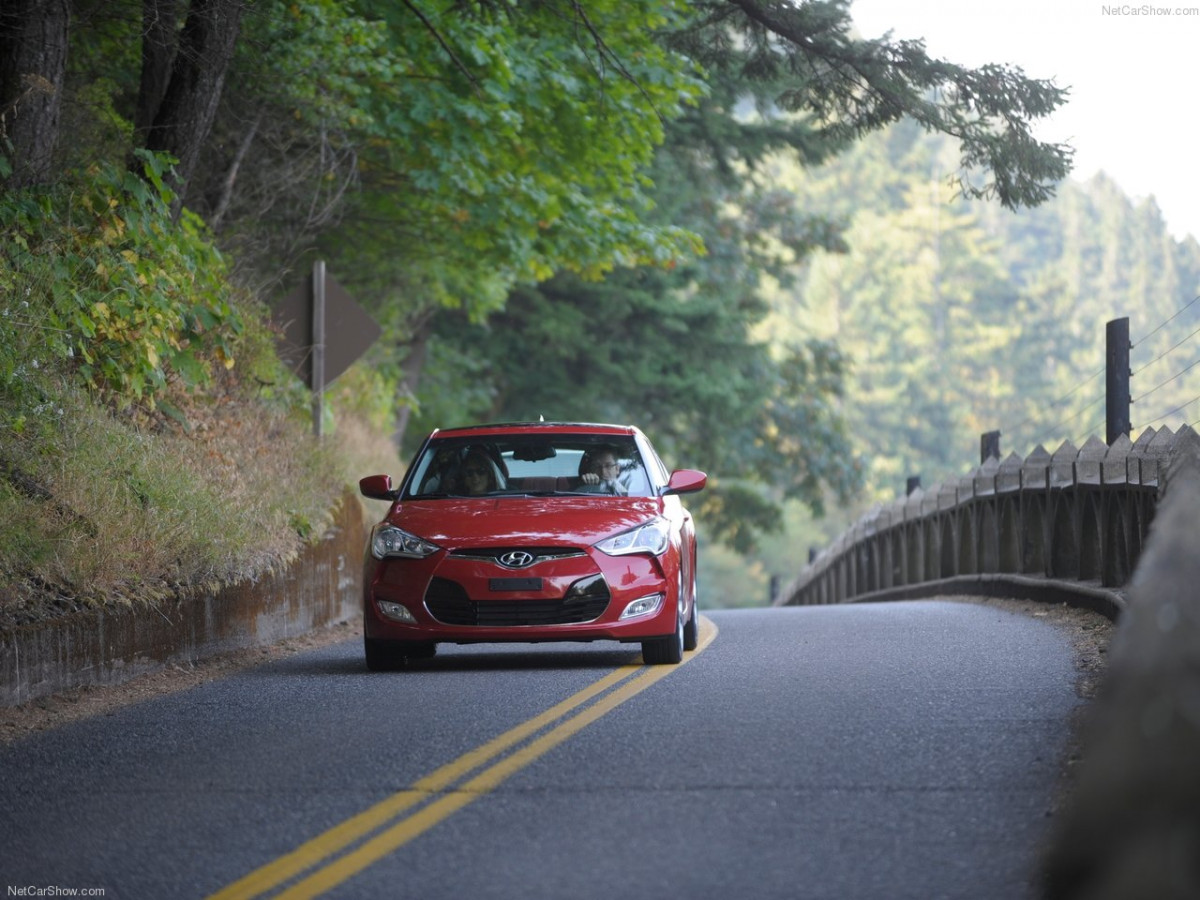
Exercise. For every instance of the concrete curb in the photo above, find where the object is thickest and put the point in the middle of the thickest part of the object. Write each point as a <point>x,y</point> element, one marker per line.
<point>1105,601</point>
<point>111,646</point>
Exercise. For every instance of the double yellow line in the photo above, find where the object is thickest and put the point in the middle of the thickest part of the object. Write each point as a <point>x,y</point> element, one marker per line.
<point>382,828</point>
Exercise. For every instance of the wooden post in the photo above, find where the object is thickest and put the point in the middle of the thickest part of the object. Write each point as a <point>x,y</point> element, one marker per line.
<point>1117,379</point>
<point>318,349</point>
<point>989,445</point>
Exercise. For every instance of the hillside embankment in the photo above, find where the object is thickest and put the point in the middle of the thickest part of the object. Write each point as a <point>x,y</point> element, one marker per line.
<point>112,644</point>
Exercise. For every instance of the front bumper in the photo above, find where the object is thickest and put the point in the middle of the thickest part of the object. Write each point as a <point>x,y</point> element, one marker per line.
<point>572,595</point>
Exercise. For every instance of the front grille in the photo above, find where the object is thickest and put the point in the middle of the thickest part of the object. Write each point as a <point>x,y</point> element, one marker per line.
<point>448,602</point>
<point>538,554</point>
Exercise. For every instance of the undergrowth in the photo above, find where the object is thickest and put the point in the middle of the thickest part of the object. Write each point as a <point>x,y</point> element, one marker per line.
<point>151,443</point>
<point>99,506</point>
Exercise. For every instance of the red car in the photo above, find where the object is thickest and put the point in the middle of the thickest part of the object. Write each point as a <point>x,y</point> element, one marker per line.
<point>528,533</point>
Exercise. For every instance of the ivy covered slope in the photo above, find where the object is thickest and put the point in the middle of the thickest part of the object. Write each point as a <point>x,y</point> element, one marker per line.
<point>150,442</point>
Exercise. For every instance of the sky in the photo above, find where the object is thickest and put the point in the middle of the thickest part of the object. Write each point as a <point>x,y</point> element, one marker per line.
<point>1131,69</point>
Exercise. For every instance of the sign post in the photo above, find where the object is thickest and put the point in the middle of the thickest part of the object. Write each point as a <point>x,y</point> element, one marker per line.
<point>318,345</point>
<point>323,332</point>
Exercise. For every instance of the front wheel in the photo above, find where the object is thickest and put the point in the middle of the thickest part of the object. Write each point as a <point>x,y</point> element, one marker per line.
<point>667,651</point>
<point>691,631</point>
<point>388,656</point>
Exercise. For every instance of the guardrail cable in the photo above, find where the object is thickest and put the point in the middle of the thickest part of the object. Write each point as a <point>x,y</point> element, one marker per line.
<point>1063,399</point>
<point>1172,412</point>
<point>1058,427</point>
<point>1168,322</point>
<point>1099,426</point>
<point>1175,346</point>
<point>1162,384</point>
<point>1166,353</point>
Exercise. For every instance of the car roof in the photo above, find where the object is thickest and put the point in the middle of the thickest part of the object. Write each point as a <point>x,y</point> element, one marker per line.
<point>508,428</point>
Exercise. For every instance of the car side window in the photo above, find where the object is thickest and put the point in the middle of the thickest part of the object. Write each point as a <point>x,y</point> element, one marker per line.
<point>634,478</point>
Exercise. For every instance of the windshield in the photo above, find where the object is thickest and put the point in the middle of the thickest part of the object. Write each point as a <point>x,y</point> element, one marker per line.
<point>541,464</point>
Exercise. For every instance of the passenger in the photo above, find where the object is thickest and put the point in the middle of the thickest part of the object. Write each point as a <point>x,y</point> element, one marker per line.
<point>478,474</point>
<point>600,473</point>
<point>439,477</point>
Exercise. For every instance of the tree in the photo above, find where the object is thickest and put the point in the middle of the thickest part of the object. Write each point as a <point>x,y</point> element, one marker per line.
<point>182,73</point>
<point>33,59</point>
<point>850,87</point>
<point>470,150</point>
<point>957,317</point>
<point>675,348</point>
<point>160,20</point>
<point>180,124</point>
<point>520,153</point>
<point>514,135</point>
<point>446,155</point>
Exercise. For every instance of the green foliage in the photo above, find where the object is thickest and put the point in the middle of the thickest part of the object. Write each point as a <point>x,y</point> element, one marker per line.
<point>522,136</point>
<point>316,58</point>
<point>368,393</point>
<point>848,88</point>
<point>110,288</point>
<point>566,166</point>
<point>676,349</point>
<point>465,148</point>
<point>639,347</point>
<point>730,580</point>
<point>960,317</point>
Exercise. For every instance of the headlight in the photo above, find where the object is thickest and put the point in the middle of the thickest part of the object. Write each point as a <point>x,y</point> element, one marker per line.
<point>649,537</point>
<point>388,540</point>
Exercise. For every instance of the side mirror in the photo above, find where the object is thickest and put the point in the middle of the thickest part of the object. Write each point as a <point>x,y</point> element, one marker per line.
<point>686,481</point>
<point>377,487</point>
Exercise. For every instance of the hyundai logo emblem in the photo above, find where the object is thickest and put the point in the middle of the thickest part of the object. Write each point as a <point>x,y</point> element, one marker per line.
<point>516,559</point>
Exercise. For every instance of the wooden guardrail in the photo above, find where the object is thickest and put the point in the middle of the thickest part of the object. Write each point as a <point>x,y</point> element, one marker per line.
<point>1132,826</point>
<point>1078,515</point>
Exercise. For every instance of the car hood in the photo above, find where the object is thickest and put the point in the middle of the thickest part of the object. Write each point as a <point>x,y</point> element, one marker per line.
<point>537,521</point>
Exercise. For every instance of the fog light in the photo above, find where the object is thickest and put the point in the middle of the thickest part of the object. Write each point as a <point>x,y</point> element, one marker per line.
<point>644,606</point>
<point>397,612</point>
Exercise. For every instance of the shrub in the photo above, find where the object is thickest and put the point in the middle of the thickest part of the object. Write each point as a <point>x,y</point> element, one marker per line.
<point>100,279</point>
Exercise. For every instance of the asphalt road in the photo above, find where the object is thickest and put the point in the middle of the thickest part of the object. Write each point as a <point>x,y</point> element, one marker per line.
<point>864,751</point>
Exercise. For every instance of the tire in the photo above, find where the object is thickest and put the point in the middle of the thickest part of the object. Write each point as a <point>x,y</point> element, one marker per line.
<point>667,651</point>
<point>381,656</point>
<point>419,649</point>
<point>391,656</point>
<point>691,631</point>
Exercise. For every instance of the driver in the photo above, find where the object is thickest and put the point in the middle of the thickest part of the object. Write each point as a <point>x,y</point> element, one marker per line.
<point>601,474</point>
